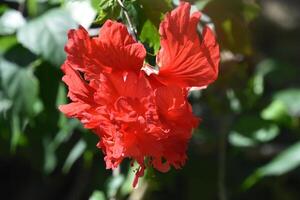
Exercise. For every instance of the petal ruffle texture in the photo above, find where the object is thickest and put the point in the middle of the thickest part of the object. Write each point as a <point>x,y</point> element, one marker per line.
<point>184,59</point>
<point>113,50</point>
<point>146,118</point>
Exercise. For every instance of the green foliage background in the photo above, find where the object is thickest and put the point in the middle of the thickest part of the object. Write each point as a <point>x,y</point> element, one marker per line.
<point>247,147</point>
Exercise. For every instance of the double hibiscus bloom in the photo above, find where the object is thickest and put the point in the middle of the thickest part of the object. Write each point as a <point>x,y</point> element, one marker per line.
<point>139,112</point>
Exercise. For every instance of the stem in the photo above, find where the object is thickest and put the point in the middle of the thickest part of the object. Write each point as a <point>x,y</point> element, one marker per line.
<point>222,166</point>
<point>132,28</point>
<point>115,172</point>
<point>224,129</point>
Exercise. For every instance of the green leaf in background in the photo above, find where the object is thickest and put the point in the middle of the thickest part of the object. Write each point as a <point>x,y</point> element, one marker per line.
<point>19,89</point>
<point>107,9</point>
<point>97,195</point>
<point>291,99</point>
<point>47,35</point>
<point>75,153</point>
<point>284,108</point>
<point>286,161</point>
<point>82,12</point>
<point>114,184</point>
<point>155,9</point>
<point>251,130</point>
<point>50,146</point>
<point>275,69</point>
<point>150,35</point>
<point>231,19</point>
<point>277,112</point>
<point>11,21</point>
<point>6,43</point>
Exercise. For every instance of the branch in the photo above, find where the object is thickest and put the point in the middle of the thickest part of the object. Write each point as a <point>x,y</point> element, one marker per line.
<point>131,27</point>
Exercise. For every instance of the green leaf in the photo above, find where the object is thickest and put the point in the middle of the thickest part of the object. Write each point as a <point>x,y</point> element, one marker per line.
<point>19,90</point>
<point>277,112</point>
<point>154,10</point>
<point>286,161</point>
<point>107,9</point>
<point>113,185</point>
<point>82,12</point>
<point>251,130</point>
<point>32,7</point>
<point>6,43</point>
<point>11,21</point>
<point>284,108</point>
<point>75,153</point>
<point>21,86</point>
<point>150,35</point>
<point>47,35</point>
<point>231,19</point>
<point>291,99</point>
<point>97,195</point>
<point>16,132</point>
<point>51,146</point>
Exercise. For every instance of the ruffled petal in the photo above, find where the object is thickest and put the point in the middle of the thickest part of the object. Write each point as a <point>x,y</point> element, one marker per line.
<point>184,59</point>
<point>73,109</point>
<point>79,90</point>
<point>82,53</point>
<point>118,49</point>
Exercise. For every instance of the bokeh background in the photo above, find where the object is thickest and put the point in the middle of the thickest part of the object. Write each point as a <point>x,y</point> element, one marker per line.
<point>247,146</point>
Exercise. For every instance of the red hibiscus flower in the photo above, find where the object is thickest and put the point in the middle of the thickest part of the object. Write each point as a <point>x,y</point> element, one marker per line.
<point>142,116</point>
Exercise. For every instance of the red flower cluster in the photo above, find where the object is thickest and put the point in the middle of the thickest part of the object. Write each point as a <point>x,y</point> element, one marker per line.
<point>139,115</point>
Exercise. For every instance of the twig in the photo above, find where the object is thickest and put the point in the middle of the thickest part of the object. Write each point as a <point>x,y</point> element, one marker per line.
<point>132,28</point>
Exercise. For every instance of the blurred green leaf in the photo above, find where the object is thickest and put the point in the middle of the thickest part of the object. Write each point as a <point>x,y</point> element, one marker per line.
<point>231,19</point>
<point>51,146</point>
<point>6,43</point>
<point>97,195</point>
<point>251,130</point>
<point>82,12</point>
<point>47,35</point>
<point>107,9</point>
<point>11,21</point>
<point>114,183</point>
<point>286,161</point>
<point>240,140</point>
<point>284,107</point>
<point>19,90</point>
<point>75,153</point>
<point>154,10</point>
<point>16,132</point>
<point>126,187</point>
<point>32,7</point>
<point>150,35</point>
<point>21,86</point>
<point>291,99</point>
<point>279,73</point>
<point>277,111</point>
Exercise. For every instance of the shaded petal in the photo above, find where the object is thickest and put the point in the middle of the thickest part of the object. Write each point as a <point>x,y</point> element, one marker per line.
<point>79,90</point>
<point>184,59</point>
<point>82,53</point>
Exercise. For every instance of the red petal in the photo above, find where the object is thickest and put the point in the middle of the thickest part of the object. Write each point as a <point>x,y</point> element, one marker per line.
<point>183,59</point>
<point>114,85</point>
<point>73,109</point>
<point>82,53</point>
<point>79,90</point>
<point>118,49</point>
